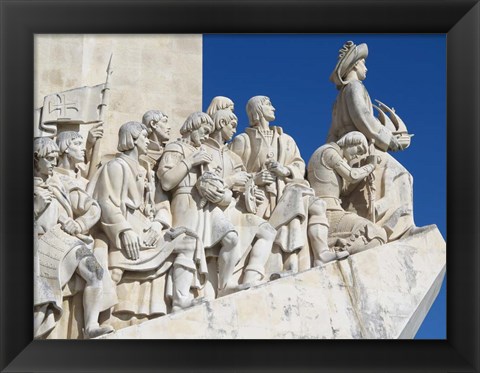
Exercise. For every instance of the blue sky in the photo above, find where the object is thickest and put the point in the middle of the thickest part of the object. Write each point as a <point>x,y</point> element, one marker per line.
<point>407,72</point>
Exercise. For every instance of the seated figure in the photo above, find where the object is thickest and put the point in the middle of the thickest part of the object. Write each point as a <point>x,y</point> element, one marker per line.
<point>152,267</point>
<point>331,176</point>
<point>291,207</point>
<point>63,248</point>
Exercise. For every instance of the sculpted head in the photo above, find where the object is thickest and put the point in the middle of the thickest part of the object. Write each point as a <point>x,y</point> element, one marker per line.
<point>197,127</point>
<point>133,135</point>
<point>157,123</point>
<point>219,103</point>
<point>70,144</point>
<point>351,64</point>
<point>354,145</point>
<point>225,122</point>
<point>360,69</point>
<point>258,108</point>
<point>45,154</point>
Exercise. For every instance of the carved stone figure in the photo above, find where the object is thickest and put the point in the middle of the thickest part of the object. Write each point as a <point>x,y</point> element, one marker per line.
<point>220,103</point>
<point>162,226</point>
<point>256,235</point>
<point>71,157</point>
<point>71,170</point>
<point>141,252</point>
<point>197,195</point>
<point>353,111</point>
<point>64,214</point>
<point>278,168</point>
<point>76,156</point>
<point>158,134</point>
<point>331,176</point>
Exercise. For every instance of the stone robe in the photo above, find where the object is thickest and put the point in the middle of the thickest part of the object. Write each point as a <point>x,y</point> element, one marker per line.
<point>255,150</point>
<point>247,224</point>
<point>124,193</point>
<point>289,198</point>
<point>57,254</point>
<point>208,221</point>
<point>353,111</point>
<point>161,199</point>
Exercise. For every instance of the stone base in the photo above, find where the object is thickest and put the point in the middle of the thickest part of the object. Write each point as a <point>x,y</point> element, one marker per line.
<point>384,292</point>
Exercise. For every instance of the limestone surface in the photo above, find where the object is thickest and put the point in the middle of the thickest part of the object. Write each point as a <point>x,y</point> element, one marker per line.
<point>154,229</point>
<point>381,293</point>
<point>148,70</point>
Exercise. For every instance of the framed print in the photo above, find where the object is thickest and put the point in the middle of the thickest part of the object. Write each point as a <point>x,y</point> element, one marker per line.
<point>26,23</point>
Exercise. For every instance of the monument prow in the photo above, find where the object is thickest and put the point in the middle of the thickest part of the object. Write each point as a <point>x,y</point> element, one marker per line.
<point>357,298</point>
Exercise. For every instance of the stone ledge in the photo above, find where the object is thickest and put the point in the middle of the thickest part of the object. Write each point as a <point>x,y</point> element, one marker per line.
<point>382,293</point>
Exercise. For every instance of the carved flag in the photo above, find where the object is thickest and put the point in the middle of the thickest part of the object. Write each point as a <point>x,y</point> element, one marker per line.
<point>75,106</point>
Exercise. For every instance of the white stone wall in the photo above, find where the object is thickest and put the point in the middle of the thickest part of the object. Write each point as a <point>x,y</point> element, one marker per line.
<point>161,72</point>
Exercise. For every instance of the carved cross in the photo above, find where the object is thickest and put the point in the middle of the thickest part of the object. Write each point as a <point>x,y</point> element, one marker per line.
<point>62,106</point>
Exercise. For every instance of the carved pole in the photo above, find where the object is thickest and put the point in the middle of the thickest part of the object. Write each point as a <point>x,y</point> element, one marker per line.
<point>95,160</point>
<point>371,187</point>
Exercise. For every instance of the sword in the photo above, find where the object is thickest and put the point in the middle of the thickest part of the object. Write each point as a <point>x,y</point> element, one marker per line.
<point>371,187</point>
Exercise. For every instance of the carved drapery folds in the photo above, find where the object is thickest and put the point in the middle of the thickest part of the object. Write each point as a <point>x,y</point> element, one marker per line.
<point>166,224</point>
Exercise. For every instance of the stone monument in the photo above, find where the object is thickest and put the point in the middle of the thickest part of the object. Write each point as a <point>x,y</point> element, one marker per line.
<point>193,231</point>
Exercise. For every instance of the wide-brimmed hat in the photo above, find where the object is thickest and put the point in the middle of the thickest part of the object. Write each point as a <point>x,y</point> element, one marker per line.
<point>348,56</point>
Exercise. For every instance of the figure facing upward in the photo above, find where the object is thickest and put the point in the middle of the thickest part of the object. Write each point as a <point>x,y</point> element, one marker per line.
<point>353,111</point>
<point>290,206</point>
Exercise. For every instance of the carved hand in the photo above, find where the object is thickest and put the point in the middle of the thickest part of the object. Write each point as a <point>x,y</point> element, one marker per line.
<point>264,177</point>
<point>42,198</point>
<point>238,179</point>
<point>214,195</point>
<point>95,133</point>
<point>198,157</point>
<point>394,144</point>
<point>372,159</point>
<point>130,244</point>
<point>71,227</point>
<point>278,169</point>
<point>153,234</point>
<point>260,196</point>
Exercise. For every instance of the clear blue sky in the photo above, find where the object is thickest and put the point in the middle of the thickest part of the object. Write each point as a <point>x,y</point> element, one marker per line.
<point>407,72</point>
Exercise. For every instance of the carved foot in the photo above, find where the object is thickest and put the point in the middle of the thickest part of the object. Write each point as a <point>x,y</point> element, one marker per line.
<point>194,302</point>
<point>342,254</point>
<point>89,333</point>
<point>330,256</point>
<point>277,275</point>
<point>326,257</point>
<point>249,285</point>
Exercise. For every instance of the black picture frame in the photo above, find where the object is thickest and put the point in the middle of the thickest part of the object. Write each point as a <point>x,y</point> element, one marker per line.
<point>20,20</point>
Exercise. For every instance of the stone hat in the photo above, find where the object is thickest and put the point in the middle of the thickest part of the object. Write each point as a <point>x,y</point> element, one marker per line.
<point>348,56</point>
